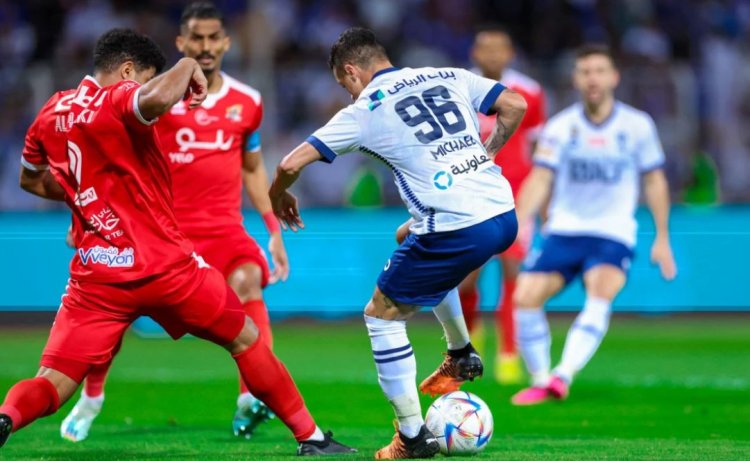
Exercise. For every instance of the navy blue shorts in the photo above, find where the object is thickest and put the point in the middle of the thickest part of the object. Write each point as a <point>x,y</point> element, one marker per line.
<point>572,255</point>
<point>425,267</point>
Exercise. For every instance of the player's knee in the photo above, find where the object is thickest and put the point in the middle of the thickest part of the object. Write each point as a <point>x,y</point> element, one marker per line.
<point>63,384</point>
<point>246,282</point>
<point>382,307</point>
<point>247,337</point>
<point>525,296</point>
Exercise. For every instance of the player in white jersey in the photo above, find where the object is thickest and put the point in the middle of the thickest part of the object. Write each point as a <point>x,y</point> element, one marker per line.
<point>592,158</point>
<point>422,123</point>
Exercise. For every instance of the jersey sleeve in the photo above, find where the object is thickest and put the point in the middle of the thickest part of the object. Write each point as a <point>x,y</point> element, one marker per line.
<point>34,157</point>
<point>339,136</point>
<point>549,147</point>
<point>125,102</point>
<point>252,136</point>
<point>649,151</point>
<point>535,116</point>
<point>482,91</point>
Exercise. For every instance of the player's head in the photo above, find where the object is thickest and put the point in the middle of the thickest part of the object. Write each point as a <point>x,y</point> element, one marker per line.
<point>595,75</point>
<point>123,54</point>
<point>202,35</point>
<point>354,58</point>
<point>492,51</point>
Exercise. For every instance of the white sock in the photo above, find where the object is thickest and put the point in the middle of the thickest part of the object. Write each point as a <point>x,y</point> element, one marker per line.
<point>95,402</point>
<point>584,337</point>
<point>451,317</point>
<point>397,371</point>
<point>245,400</point>
<point>317,435</point>
<point>534,340</point>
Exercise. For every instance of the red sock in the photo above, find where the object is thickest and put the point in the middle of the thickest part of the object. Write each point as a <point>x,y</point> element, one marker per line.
<point>256,310</point>
<point>268,380</point>
<point>470,305</point>
<point>30,400</point>
<point>94,384</point>
<point>504,319</point>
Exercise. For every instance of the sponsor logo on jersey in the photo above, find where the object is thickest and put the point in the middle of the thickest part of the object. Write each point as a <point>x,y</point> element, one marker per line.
<point>187,140</point>
<point>110,257</point>
<point>181,158</point>
<point>234,113</point>
<point>203,118</point>
<point>376,100</point>
<point>470,165</point>
<point>455,145</point>
<point>421,78</point>
<point>104,220</point>
<point>608,171</point>
<point>86,197</point>
<point>442,180</point>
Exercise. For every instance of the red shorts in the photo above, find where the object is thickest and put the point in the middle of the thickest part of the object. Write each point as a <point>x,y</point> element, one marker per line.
<point>92,318</point>
<point>228,252</point>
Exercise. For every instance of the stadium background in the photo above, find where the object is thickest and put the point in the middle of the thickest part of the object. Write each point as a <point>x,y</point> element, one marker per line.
<point>662,387</point>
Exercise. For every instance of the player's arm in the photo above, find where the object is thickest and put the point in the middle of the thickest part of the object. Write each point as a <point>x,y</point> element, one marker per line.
<point>159,94</point>
<point>403,231</point>
<point>534,193</point>
<point>510,108</point>
<point>255,179</point>
<point>285,204</point>
<point>656,192</point>
<point>41,183</point>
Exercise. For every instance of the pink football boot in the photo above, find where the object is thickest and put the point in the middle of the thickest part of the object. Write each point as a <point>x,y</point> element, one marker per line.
<point>558,388</point>
<point>531,396</point>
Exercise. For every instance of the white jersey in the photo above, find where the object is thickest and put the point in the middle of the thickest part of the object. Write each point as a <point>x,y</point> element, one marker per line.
<point>422,124</point>
<point>598,170</point>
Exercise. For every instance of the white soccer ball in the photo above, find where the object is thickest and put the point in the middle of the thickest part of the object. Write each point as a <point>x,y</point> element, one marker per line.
<point>462,423</point>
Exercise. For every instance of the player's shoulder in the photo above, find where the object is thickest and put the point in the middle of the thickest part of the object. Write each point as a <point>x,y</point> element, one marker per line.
<point>241,90</point>
<point>518,81</point>
<point>565,117</point>
<point>633,116</point>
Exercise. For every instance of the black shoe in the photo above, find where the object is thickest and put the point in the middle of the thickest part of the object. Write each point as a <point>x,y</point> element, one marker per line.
<point>468,363</point>
<point>6,427</point>
<point>327,446</point>
<point>424,445</point>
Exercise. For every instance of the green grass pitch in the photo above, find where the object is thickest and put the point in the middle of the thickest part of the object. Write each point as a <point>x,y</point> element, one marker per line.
<point>661,388</point>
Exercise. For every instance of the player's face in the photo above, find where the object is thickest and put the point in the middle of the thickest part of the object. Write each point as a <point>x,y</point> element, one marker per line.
<point>596,78</point>
<point>204,40</point>
<point>492,52</point>
<point>350,78</point>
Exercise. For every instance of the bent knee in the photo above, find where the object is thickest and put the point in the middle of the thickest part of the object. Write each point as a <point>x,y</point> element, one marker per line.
<point>534,289</point>
<point>247,337</point>
<point>246,281</point>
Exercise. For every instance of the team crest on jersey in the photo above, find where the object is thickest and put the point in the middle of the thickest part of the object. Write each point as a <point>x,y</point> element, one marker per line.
<point>376,100</point>
<point>234,113</point>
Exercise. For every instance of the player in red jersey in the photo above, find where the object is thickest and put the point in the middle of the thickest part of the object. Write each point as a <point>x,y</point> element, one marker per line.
<point>131,259</point>
<point>211,151</point>
<point>492,53</point>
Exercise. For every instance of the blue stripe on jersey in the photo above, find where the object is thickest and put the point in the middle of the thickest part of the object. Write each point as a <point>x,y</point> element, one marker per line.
<point>489,100</point>
<point>404,186</point>
<point>544,164</point>
<point>252,144</point>
<point>328,155</point>
<point>651,168</point>
<point>383,71</point>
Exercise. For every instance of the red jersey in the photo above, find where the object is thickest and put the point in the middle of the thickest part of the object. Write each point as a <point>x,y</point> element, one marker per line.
<point>515,156</point>
<point>204,148</point>
<point>117,182</point>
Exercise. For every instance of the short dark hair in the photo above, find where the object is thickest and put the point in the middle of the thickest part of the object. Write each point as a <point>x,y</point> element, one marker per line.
<point>592,49</point>
<point>493,28</point>
<point>120,45</point>
<point>201,10</point>
<point>356,45</point>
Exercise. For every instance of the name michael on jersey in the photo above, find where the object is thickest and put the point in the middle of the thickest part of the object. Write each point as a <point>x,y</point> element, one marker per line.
<point>455,145</point>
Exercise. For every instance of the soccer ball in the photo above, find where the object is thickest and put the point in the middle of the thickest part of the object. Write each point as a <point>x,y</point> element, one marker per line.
<point>462,423</point>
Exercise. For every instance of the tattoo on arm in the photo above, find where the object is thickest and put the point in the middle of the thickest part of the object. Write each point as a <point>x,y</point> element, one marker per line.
<point>498,138</point>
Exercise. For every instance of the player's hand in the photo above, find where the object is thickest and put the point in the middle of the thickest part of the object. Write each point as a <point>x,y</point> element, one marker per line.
<point>661,255</point>
<point>69,237</point>
<point>285,208</point>
<point>279,259</point>
<point>197,89</point>
<point>403,231</point>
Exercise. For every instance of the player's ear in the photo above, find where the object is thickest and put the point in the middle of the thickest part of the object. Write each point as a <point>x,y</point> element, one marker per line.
<point>179,42</point>
<point>127,70</point>
<point>227,43</point>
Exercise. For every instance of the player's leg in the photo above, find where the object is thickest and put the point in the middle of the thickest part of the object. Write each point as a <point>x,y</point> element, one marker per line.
<point>468,291</point>
<point>76,426</point>
<point>462,362</point>
<point>248,281</point>
<point>602,282</point>
<point>533,289</point>
<point>507,362</point>
<point>208,308</point>
<point>397,371</point>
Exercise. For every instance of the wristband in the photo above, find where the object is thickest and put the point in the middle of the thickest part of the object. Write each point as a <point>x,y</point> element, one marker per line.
<point>272,224</point>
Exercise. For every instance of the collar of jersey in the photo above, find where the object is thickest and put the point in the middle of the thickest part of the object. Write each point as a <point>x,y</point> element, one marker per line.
<point>384,71</point>
<point>213,98</point>
<point>603,123</point>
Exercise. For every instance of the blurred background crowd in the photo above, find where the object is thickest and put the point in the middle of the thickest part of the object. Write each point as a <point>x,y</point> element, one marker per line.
<point>686,62</point>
